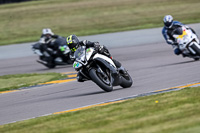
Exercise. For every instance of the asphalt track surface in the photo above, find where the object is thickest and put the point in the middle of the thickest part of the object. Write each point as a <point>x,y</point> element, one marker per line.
<point>150,62</point>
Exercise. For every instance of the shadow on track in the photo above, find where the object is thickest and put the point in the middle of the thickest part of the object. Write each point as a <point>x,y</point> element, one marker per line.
<point>95,93</point>
<point>57,67</point>
<point>173,64</point>
<point>61,97</point>
<point>67,91</point>
<point>78,95</point>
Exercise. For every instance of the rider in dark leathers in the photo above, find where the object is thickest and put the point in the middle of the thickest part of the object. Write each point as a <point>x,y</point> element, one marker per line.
<point>53,44</point>
<point>167,30</point>
<point>73,43</point>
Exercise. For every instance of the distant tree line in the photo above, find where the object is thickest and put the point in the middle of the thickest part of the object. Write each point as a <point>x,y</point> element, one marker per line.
<point>11,1</point>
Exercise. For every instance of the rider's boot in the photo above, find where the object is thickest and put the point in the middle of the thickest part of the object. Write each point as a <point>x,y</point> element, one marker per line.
<point>117,63</point>
<point>119,67</point>
<point>80,77</point>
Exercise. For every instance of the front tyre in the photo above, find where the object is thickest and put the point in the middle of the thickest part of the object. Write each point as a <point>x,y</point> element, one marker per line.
<point>95,76</point>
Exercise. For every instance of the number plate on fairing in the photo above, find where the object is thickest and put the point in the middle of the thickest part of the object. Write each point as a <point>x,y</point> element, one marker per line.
<point>77,65</point>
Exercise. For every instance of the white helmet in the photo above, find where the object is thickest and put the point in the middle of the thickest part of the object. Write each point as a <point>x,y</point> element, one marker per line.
<point>168,21</point>
<point>47,31</point>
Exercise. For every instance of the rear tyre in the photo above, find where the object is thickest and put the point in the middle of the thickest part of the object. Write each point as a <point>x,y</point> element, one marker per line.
<point>95,76</point>
<point>126,80</point>
<point>196,49</point>
<point>51,66</point>
<point>196,59</point>
<point>50,63</point>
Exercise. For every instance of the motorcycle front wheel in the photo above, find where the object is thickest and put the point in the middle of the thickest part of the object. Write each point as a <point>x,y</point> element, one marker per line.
<point>103,83</point>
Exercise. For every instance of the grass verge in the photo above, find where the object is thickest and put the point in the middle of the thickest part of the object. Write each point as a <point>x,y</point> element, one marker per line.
<point>174,112</point>
<point>23,22</point>
<point>10,82</point>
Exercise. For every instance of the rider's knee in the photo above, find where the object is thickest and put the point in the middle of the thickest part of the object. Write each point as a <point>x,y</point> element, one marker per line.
<point>177,51</point>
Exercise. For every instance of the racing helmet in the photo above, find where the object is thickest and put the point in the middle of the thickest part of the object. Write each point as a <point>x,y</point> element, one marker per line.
<point>47,33</point>
<point>168,21</point>
<point>73,42</point>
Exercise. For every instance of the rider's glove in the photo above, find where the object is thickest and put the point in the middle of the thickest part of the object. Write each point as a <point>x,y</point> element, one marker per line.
<point>96,47</point>
<point>99,48</point>
<point>169,41</point>
<point>84,42</point>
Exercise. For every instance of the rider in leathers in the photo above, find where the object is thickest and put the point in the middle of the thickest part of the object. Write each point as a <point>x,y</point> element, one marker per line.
<point>73,43</point>
<point>46,39</point>
<point>52,44</point>
<point>167,30</point>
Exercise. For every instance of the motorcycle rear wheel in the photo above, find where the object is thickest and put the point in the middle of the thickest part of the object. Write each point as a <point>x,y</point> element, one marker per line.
<point>196,49</point>
<point>51,66</point>
<point>126,80</point>
<point>99,81</point>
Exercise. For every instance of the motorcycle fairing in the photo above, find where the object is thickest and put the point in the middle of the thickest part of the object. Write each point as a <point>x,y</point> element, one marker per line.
<point>184,33</point>
<point>89,52</point>
<point>105,58</point>
<point>186,39</point>
<point>77,65</point>
<point>86,54</point>
<point>115,80</point>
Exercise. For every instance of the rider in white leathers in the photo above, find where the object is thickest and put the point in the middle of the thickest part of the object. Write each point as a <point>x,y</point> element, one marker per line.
<point>167,30</point>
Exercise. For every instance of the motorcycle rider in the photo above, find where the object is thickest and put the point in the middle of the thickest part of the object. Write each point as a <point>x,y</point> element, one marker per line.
<point>74,43</point>
<point>47,37</point>
<point>53,44</point>
<point>169,26</point>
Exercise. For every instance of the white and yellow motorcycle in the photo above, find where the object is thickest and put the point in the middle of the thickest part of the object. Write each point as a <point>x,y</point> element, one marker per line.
<point>187,42</point>
<point>100,69</point>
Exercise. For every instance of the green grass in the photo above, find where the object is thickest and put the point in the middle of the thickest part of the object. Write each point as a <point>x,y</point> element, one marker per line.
<point>23,22</point>
<point>10,82</point>
<point>175,112</point>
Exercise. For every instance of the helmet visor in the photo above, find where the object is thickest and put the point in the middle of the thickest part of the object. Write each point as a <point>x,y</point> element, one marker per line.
<point>168,24</point>
<point>73,47</point>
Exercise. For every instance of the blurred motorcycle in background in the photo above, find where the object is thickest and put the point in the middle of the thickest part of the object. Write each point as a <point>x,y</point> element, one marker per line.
<point>187,42</point>
<point>50,57</point>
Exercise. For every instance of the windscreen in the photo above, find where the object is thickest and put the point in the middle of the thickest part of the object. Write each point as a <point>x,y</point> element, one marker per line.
<point>80,52</point>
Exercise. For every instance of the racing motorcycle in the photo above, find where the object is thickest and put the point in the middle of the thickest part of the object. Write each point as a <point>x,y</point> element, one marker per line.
<point>187,42</point>
<point>100,69</point>
<point>50,57</point>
